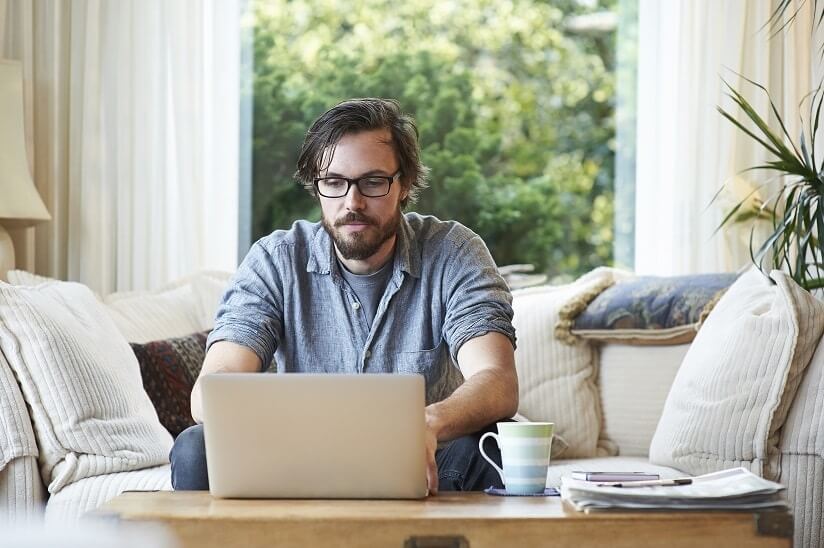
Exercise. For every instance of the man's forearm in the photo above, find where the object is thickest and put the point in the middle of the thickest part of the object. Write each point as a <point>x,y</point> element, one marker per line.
<point>486,397</point>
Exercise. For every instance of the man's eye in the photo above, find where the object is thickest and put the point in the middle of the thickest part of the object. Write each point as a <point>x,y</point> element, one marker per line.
<point>373,183</point>
<point>334,182</point>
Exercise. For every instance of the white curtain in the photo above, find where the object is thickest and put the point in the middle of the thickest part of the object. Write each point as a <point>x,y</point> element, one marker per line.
<point>685,149</point>
<point>132,119</point>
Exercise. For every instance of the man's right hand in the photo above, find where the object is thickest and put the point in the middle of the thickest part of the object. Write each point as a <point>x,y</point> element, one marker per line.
<point>223,357</point>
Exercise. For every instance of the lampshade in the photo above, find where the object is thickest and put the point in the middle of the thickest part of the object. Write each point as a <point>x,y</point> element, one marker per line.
<point>20,204</point>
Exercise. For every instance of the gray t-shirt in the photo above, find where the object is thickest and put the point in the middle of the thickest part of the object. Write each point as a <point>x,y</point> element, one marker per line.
<point>368,288</point>
<point>289,299</point>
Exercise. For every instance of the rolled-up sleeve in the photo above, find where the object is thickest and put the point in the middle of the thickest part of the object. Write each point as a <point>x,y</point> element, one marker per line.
<point>478,299</point>
<point>251,312</point>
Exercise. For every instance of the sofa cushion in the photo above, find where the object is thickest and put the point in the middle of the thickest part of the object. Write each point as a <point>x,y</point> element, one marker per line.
<point>17,438</point>
<point>634,382</point>
<point>169,369</point>
<point>209,287</point>
<point>651,310</point>
<point>91,415</point>
<point>90,493</point>
<point>738,379</point>
<point>802,454</point>
<point>176,309</point>
<point>557,380</point>
<point>22,494</point>
<point>144,316</point>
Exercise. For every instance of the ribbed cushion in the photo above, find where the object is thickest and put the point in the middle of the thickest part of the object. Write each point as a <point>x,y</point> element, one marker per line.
<point>804,477</point>
<point>82,381</point>
<point>143,316</point>
<point>177,309</point>
<point>209,287</point>
<point>802,454</point>
<point>556,379</point>
<point>634,382</point>
<point>22,495</point>
<point>16,432</point>
<point>738,379</point>
<point>90,493</point>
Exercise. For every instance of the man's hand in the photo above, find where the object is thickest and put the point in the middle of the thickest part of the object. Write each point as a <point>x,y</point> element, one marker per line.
<point>431,463</point>
<point>222,357</point>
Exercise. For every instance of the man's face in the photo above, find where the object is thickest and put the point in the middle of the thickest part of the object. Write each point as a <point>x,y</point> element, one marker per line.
<point>361,226</point>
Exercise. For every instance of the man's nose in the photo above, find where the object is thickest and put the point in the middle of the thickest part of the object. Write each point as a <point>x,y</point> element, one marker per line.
<point>354,199</point>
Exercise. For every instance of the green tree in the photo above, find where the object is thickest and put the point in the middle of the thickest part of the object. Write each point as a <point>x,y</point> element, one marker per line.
<point>515,115</point>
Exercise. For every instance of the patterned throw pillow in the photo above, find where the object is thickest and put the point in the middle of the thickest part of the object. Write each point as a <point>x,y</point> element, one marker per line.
<point>650,310</point>
<point>169,369</point>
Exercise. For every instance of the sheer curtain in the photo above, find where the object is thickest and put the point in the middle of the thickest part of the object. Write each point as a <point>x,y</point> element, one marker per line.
<point>132,115</point>
<point>685,149</point>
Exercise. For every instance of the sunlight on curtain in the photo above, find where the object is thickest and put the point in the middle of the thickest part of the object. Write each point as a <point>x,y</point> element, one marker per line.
<point>685,149</point>
<point>132,109</point>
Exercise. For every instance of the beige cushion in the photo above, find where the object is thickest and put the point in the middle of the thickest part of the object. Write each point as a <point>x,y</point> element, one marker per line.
<point>16,433</point>
<point>557,380</point>
<point>209,287</point>
<point>738,379</point>
<point>91,493</point>
<point>82,381</point>
<point>802,454</point>
<point>177,309</point>
<point>634,382</point>
<point>22,495</point>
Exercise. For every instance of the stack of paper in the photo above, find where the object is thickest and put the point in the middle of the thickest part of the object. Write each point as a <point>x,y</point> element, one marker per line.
<point>728,490</point>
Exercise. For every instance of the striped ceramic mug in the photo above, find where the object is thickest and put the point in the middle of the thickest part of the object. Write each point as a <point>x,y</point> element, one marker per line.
<point>525,448</point>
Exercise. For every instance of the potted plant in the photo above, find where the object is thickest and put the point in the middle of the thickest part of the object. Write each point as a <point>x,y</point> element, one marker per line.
<point>796,243</point>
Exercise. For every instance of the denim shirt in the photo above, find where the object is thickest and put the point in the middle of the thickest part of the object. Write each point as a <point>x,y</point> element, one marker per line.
<point>288,299</point>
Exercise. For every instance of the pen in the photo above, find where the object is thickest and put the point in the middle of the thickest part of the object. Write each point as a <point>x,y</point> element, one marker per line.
<point>651,483</point>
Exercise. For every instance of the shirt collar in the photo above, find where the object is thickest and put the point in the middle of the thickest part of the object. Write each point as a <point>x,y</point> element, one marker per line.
<point>407,251</point>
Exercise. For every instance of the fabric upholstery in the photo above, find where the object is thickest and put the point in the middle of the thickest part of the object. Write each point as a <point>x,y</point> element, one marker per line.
<point>651,309</point>
<point>90,493</point>
<point>169,369</point>
<point>16,433</point>
<point>177,309</point>
<point>802,454</point>
<point>149,316</point>
<point>732,393</point>
<point>91,415</point>
<point>634,382</point>
<point>557,380</point>
<point>22,494</point>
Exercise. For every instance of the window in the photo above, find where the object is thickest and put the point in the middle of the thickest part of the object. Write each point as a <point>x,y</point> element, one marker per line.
<point>514,102</point>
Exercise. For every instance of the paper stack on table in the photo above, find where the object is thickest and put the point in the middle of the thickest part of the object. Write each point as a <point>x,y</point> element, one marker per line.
<point>728,490</point>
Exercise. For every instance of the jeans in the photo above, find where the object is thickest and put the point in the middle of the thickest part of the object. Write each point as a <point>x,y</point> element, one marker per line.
<point>460,465</point>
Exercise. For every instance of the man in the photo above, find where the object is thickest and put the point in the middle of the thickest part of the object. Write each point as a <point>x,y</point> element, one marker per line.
<point>370,289</point>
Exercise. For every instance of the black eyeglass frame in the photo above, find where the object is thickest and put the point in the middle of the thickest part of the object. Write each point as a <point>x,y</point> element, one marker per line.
<point>349,182</point>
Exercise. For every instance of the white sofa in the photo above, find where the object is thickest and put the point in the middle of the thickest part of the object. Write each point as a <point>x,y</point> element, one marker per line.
<point>611,430</point>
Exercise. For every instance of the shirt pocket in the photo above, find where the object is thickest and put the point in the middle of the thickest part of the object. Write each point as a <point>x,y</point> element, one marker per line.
<point>422,362</point>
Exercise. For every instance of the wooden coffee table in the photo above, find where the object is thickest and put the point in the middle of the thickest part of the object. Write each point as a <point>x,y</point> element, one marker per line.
<point>459,520</point>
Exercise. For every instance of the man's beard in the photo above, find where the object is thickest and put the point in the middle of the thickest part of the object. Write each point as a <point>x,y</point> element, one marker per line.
<point>358,246</point>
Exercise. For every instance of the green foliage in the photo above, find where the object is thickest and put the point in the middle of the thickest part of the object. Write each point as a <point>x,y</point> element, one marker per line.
<point>796,244</point>
<point>515,115</point>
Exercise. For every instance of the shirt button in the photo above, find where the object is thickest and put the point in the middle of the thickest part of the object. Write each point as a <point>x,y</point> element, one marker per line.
<point>356,305</point>
<point>368,354</point>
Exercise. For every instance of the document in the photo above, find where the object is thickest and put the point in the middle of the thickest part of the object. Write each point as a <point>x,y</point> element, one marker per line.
<point>733,489</point>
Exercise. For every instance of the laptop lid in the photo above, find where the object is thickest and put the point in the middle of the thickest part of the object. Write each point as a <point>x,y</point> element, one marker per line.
<point>315,435</point>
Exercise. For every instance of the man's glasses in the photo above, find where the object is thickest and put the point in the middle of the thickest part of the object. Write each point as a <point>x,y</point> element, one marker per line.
<point>371,186</point>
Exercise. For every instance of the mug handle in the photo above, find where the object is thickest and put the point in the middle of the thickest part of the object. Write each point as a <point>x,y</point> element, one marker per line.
<point>485,456</point>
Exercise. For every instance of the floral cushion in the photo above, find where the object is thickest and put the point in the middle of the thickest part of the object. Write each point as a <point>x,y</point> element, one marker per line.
<point>169,369</point>
<point>651,309</point>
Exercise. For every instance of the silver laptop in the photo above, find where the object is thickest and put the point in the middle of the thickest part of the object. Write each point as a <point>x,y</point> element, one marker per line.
<point>315,436</point>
